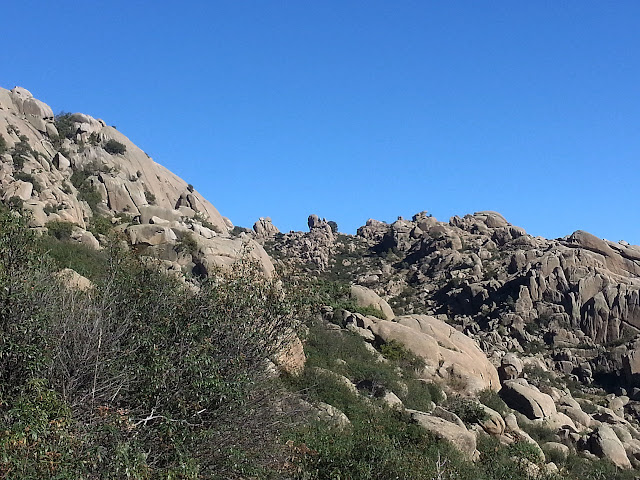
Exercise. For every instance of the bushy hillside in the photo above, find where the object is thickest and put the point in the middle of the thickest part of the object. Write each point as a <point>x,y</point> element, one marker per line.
<point>138,375</point>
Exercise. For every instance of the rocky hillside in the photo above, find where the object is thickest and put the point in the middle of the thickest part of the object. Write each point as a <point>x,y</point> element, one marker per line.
<point>508,289</point>
<point>460,349</point>
<point>76,169</point>
<point>558,319</point>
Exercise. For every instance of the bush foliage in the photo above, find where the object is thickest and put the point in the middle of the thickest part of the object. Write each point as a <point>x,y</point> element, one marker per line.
<point>114,147</point>
<point>140,377</point>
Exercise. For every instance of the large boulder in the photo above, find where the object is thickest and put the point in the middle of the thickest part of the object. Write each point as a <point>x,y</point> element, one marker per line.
<point>264,228</point>
<point>457,434</point>
<point>448,353</point>
<point>222,252</point>
<point>527,399</point>
<point>73,280</point>
<point>291,358</point>
<point>364,297</point>
<point>604,443</point>
<point>150,235</point>
<point>511,367</point>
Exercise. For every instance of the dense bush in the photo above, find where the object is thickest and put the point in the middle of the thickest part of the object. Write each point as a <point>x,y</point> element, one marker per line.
<point>86,190</point>
<point>395,350</point>
<point>20,151</point>
<point>64,125</point>
<point>149,197</point>
<point>60,230</point>
<point>114,147</point>
<point>493,400</point>
<point>335,294</point>
<point>27,177</point>
<point>3,144</point>
<point>85,260</point>
<point>139,377</point>
<point>467,409</point>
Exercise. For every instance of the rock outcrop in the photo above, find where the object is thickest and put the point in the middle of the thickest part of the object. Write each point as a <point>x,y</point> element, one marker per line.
<point>88,169</point>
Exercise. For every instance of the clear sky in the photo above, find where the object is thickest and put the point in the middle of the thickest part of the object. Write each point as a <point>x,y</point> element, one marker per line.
<point>359,109</point>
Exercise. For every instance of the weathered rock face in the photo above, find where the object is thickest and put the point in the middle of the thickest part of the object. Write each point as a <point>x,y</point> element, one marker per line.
<point>365,297</point>
<point>127,181</point>
<point>449,354</point>
<point>264,228</point>
<point>314,248</point>
<point>527,399</point>
<point>74,178</point>
<point>506,289</point>
<point>604,443</point>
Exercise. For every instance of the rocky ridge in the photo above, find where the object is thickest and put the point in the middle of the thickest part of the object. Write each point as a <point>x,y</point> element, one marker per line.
<point>558,319</point>
<point>75,168</point>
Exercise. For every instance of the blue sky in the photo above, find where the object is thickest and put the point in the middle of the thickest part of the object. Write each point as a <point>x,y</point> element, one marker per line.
<point>360,109</point>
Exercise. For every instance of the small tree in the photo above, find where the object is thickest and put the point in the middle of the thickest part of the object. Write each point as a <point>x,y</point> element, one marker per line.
<point>333,225</point>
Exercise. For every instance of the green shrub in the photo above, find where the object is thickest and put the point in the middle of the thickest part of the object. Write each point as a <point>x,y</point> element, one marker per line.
<point>15,203</point>
<point>396,351</point>
<point>18,161</point>
<point>86,191</point>
<point>100,225</point>
<point>114,147</point>
<point>37,440</point>
<point>420,394</point>
<point>65,127</point>
<point>60,230</point>
<point>26,288</point>
<point>583,469</point>
<point>468,410</point>
<point>27,177</point>
<point>335,294</point>
<point>187,244</point>
<point>492,400</point>
<point>85,260</point>
<point>150,197</point>
<point>139,375</point>
<point>539,432</point>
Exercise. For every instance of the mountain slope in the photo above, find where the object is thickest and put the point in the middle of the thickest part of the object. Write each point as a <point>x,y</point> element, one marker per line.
<point>74,168</point>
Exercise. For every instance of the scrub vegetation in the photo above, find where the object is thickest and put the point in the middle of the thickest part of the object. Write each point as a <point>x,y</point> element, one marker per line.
<point>144,376</point>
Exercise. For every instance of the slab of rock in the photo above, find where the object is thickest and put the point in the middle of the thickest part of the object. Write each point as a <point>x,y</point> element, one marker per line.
<point>150,234</point>
<point>365,297</point>
<point>604,443</point>
<point>527,399</point>
<point>443,348</point>
<point>459,436</point>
